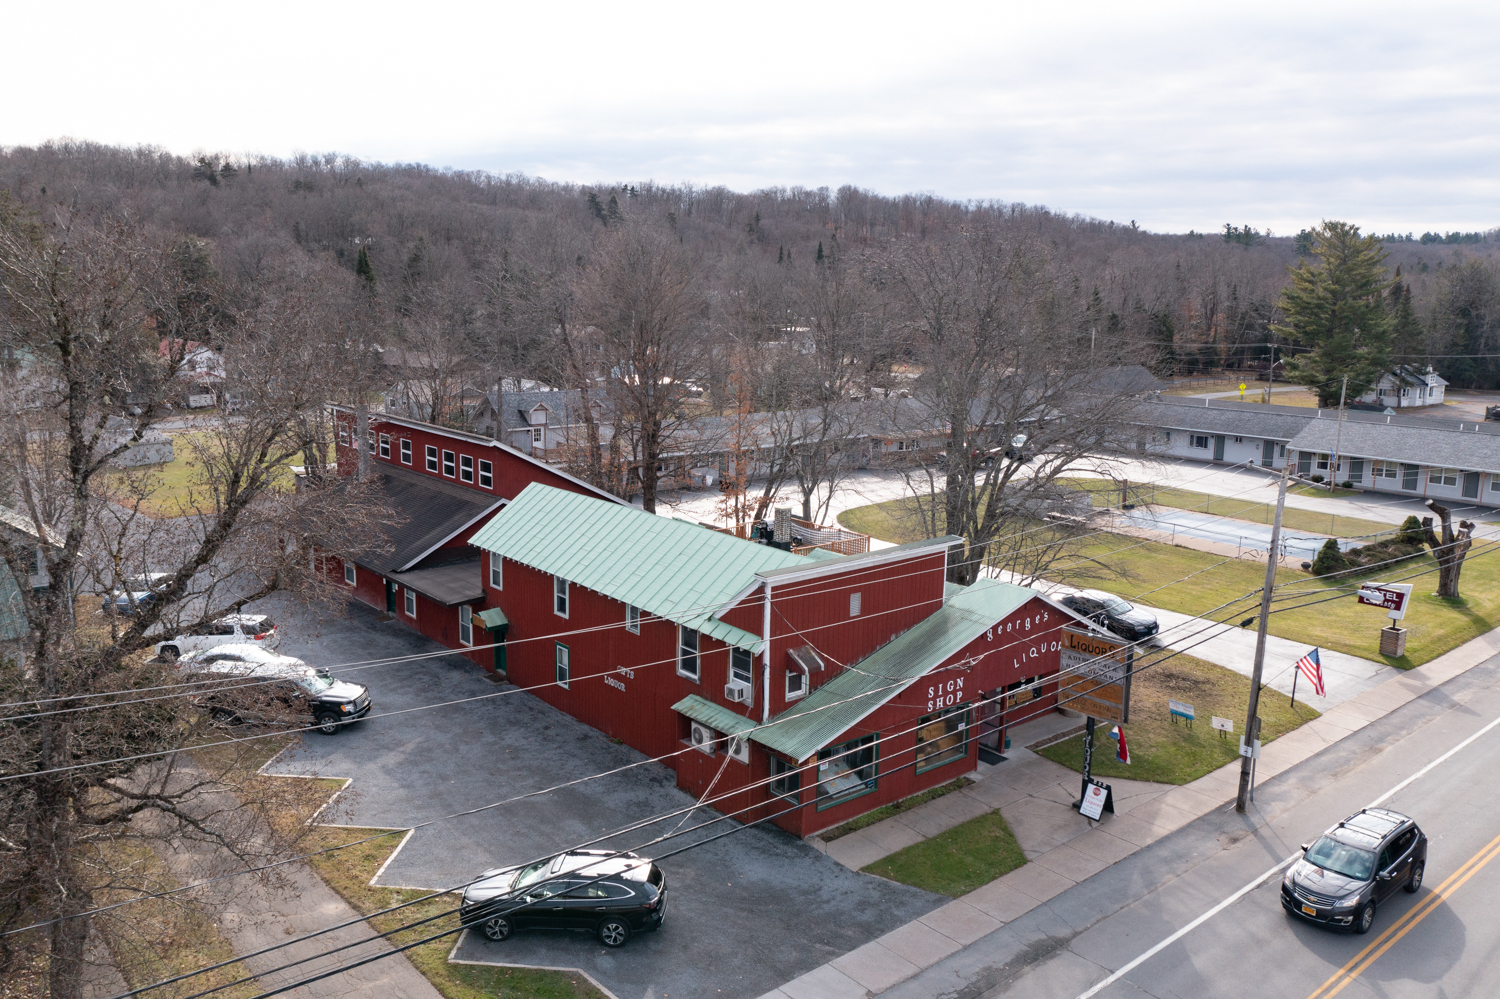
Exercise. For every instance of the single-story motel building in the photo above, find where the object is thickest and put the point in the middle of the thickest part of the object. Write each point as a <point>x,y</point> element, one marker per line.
<point>1420,457</point>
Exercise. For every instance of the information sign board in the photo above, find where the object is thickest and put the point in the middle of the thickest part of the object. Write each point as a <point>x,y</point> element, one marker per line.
<point>1095,675</point>
<point>1180,709</point>
<point>1095,798</point>
<point>1223,724</point>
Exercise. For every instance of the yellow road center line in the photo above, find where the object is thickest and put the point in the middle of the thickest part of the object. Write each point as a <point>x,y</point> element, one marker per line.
<point>1366,957</point>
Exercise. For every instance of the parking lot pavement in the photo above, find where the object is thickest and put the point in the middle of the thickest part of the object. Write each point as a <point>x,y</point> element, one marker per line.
<point>746,912</point>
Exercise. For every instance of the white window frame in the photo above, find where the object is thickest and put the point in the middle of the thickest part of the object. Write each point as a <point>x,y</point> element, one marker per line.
<point>1441,477</point>
<point>560,596</point>
<point>385,445</point>
<point>1239,440</point>
<point>450,464</point>
<point>405,451</point>
<point>796,684</point>
<point>562,661</point>
<point>696,654</point>
<point>411,602</point>
<point>1193,440</point>
<point>370,435</point>
<point>497,572</point>
<point>633,615</point>
<point>486,474</point>
<point>465,468</point>
<point>344,436</point>
<point>747,675</point>
<point>465,625</point>
<point>351,576</point>
<point>856,600</point>
<point>539,437</point>
<point>432,458</point>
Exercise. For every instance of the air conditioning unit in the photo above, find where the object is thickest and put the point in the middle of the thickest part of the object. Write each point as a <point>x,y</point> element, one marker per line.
<point>703,738</point>
<point>739,748</point>
<point>737,692</point>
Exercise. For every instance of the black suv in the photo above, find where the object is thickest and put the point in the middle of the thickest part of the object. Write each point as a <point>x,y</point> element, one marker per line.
<point>611,895</point>
<point>1119,616</point>
<point>261,686</point>
<point>1352,867</point>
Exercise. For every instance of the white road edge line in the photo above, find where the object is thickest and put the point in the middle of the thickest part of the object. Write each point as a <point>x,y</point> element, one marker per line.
<point>1169,941</point>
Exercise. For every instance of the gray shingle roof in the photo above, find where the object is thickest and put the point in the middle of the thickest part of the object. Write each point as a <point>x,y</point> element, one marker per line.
<point>563,404</point>
<point>450,584</point>
<point>1277,423</point>
<point>1414,444</point>
<point>433,511</point>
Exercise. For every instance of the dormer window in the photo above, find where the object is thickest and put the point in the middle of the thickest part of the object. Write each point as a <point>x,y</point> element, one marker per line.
<point>539,416</point>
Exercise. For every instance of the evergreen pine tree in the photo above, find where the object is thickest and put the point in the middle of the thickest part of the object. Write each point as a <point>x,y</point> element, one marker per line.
<point>363,269</point>
<point>781,254</point>
<point>1336,307</point>
<point>613,210</point>
<point>597,208</point>
<point>819,260</point>
<point>1406,328</point>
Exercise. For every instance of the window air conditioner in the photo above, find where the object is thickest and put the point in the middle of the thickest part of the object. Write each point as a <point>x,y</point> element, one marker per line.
<point>739,748</point>
<point>703,738</point>
<point>737,692</point>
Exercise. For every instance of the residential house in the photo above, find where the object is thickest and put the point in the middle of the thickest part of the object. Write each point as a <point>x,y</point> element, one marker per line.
<point>21,532</point>
<point>694,645</point>
<point>1407,385</point>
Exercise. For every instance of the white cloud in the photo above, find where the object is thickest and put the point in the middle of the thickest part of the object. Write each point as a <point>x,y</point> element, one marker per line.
<point>1173,114</point>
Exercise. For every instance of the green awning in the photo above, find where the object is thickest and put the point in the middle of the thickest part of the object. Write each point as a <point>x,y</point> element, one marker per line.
<point>493,618</point>
<point>715,716</point>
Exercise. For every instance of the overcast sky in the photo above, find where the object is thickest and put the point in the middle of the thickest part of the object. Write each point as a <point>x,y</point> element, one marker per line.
<point>1176,115</point>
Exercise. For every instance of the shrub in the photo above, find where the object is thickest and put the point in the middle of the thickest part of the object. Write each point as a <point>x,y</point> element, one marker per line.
<point>1410,533</point>
<point>1348,484</point>
<point>1316,478</point>
<point>1329,559</point>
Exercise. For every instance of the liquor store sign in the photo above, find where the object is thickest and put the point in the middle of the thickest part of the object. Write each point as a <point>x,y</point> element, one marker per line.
<point>1095,676</point>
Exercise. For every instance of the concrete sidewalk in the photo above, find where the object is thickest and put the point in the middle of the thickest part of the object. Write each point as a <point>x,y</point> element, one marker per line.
<point>1091,847</point>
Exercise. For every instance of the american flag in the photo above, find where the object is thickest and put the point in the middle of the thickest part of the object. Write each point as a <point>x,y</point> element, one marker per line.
<point>1312,668</point>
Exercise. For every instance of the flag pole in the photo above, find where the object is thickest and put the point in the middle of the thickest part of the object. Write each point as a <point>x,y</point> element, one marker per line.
<point>1252,728</point>
<point>1294,686</point>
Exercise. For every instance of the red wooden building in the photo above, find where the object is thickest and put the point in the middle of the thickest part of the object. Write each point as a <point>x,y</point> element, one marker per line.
<point>444,485</point>
<point>822,685</point>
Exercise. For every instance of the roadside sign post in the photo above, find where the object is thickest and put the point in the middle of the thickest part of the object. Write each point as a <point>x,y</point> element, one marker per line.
<point>1393,598</point>
<point>1096,682</point>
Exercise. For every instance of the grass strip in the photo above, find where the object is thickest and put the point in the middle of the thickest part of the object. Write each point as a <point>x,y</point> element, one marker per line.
<point>348,872</point>
<point>957,861</point>
<point>894,808</point>
<point>1171,752</point>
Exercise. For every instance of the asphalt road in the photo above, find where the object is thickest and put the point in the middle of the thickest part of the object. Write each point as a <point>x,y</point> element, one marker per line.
<point>1101,938</point>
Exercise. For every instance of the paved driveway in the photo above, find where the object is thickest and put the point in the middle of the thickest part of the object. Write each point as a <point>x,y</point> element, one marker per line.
<point>747,912</point>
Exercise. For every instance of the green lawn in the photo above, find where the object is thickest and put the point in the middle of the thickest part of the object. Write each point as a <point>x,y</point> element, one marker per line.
<point>955,862</point>
<point>177,487</point>
<point>1172,753</point>
<point>894,808</point>
<point>1104,492</point>
<point>1194,582</point>
<point>348,872</point>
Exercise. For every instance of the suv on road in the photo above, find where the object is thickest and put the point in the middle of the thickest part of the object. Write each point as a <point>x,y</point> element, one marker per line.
<point>275,689</point>
<point>236,629</point>
<point>1353,867</point>
<point>610,895</point>
<point>138,591</point>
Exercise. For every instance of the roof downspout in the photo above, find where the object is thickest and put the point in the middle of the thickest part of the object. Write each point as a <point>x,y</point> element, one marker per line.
<point>765,654</point>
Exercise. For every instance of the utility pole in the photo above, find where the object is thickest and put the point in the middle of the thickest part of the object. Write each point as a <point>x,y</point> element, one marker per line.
<point>1338,436</point>
<point>1252,719</point>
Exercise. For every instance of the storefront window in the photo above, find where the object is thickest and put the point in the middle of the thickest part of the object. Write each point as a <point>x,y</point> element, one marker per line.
<point>786,779</point>
<point>943,738</point>
<point>846,771</point>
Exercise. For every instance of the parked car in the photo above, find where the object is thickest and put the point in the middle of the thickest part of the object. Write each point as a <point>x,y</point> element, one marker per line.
<point>137,592</point>
<point>236,629</point>
<point>612,896</point>
<point>1353,867</point>
<point>1017,450</point>
<point>289,691</point>
<point>1119,616</point>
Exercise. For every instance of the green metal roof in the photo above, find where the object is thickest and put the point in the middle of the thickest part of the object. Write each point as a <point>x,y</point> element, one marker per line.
<point>841,703</point>
<point>669,568</point>
<point>492,618</point>
<point>715,716</point>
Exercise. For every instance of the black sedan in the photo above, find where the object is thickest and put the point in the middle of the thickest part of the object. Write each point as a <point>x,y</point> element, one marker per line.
<point>1119,616</point>
<point>1353,867</point>
<point>611,895</point>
